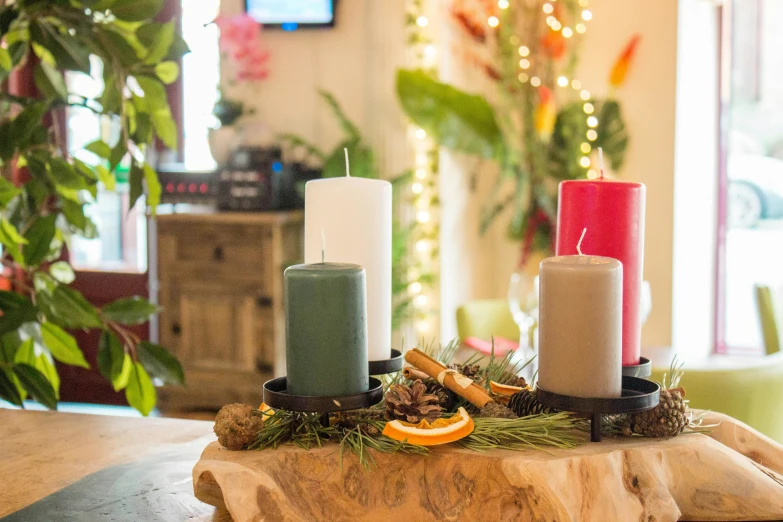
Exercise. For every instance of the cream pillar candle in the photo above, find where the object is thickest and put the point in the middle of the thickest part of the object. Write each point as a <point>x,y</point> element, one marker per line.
<point>581,326</point>
<point>354,215</point>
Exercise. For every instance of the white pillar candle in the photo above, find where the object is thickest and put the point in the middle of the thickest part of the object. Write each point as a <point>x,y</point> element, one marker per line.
<point>353,217</point>
<point>580,322</point>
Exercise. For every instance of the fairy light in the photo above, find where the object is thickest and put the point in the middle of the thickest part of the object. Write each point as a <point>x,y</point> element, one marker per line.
<point>417,188</point>
<point>587,15</point>
<point>421,134</point>
<point>503,4</point>
<point>585,148</point>
<point>583,3</point>
<point>562,81</point>
<point>585,95</point>
<point>522,77</point>
<point>421,173</point>
<point>548,8</point>
<point>592,135</point>
<point>588,108</point>
<point>524,63</point>
<point>429,51</point>
<point>414,288</point>
<point>420,300</point>
<point>535,81</point>
<point>550,20</point>
<point>556,25</point>
<point>576,84</point>
<point>422,21</point>
<point>592,174</point>
<point>584,161</point>
<point>567,32</point>
<point>422,245</point>
<point>592,121</point>
<point>422,216</point>
<point>524,51</point>
<point>493,21</point>
<point>581,28</point>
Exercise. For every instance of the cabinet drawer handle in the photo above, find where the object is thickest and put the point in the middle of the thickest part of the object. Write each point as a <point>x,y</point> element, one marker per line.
<point>176,329</point>
<point>264,302</point>
<point>217,254</point>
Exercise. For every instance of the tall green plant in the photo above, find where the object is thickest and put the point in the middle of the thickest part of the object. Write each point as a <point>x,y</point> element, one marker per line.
<point>138,58</point>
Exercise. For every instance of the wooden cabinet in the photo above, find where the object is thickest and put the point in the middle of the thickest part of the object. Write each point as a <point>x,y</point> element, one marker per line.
<point>220,280</point>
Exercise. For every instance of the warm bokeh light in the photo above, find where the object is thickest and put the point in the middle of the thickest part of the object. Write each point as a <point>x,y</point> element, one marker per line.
<point>535,81</point>
<point>588,108</point>
<point>585,148</point>
<point>584,161</point>
<point>493,21</point>
<point>524,51</point>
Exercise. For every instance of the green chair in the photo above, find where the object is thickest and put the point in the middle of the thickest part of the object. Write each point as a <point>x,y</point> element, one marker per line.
<point>752,394</point>
<point>484,318</point>
<point>770,305</point>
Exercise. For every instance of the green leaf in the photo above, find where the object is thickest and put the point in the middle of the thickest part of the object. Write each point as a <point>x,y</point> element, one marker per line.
<point>16,311</point>
<point>130,310</point>
<point>117,154</point>
<point>50,81</point>
<point>62,272</point>
<point>8,390</point>
<point>8,191</point>
<point>113,363</point>
<point>154,93</point>
<point>349,128</point>
<point>136,10</point>
<point>39,239</point>
<point>140,391</point>
<point>122,49</point>
<point>154,189</point>
<point>455,119</point>
<point>74,214</point>
<point>25,353</point>
<point>165,127</point>
<point>65,175</point>
<point>66,49</point>
<point>68,308</point>
<point>167,72</point>
<point>11,239</point>
<point>136,184</point>
<point>62,345</point>
<point>5,60</point>
<point>106,177</point>
<point>612,134</point>
<point>159,46</point>
<point>45,364</point>
<point>100,148</point>
<point>160,363</point>
<point>36,384</point>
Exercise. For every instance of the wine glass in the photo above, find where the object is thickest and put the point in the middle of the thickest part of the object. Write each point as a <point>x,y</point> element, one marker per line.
<point>523,303</point>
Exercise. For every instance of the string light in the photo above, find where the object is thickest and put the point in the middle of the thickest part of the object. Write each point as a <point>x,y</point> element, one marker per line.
<point>583,3</point>
<point>423,326</point>
<point>584,161</point>
<point>429,51</point>
<point>585,148</point>
<point>581,28</point>
<point>420,300</point>
<point>587,15</point>
<point>567,32</point>
<point>524,51</point>
<point>548,8</point>
<point>592,135</point>
<point>493,21</point>
<point>562,81</point>
<point>421,173</point>
<point>522,77</point>
<point>421,134</point>
<point>556,25</point>
<point>592,174</point>
<point>414,288</point>
<point>503,4</point>
<point>588,108</point>
<point>422,21</point>
<point>524,63</point>
<point>417,188</point>
<point>535,81</point>
<point>550,20</point>
<point>592,121</point>
<point>576,84</point>
<point>585,95</point>
<point>422,216</point>
<point>422,245</point>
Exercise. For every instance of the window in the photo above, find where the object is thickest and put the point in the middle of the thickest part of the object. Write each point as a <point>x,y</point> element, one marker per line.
<point>751,212</point>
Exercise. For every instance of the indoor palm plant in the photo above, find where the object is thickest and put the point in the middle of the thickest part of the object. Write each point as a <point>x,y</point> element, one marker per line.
<point>43,189</point>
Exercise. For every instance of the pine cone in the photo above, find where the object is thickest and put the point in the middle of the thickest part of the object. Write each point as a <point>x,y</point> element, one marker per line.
<point>497,411</point>
<point>468,370</point>
<point>446,398</point>
<point>525,403</point>
<point>667,419</point>
<point>411,403</point>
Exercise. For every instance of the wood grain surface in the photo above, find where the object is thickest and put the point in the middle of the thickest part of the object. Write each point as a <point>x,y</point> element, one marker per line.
<point>62,467</point>
<point>733,476</point>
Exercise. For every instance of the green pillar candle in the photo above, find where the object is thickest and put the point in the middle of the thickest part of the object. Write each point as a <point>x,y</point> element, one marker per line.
<point>326,329</point>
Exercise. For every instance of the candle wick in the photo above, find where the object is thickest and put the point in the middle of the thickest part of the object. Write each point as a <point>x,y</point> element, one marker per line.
<point>601,160</point>
<point>347,164</point>
<point>579,245</point>
<point>323,246</point>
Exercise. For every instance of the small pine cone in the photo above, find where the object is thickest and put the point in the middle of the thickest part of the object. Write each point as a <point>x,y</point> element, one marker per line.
<point>468,370</point>
<point>446,398</point>
<point>525,403</point>
<point>411,403</point>
<point>236,426</point>
<point>513,380</point>
<point>497,410</point>
<point>369,429</point>
<point>667,419</point>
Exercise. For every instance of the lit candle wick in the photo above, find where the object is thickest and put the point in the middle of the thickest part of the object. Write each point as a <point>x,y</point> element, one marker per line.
<point>600,160</point>
<point>579,245</point>
<point>348,166</point>
<point>323,246</point>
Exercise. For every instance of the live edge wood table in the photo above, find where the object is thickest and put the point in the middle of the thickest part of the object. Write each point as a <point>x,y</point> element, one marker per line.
<point>56,466</point>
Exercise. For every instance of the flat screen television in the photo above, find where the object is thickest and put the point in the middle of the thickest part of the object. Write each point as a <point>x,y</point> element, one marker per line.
<point>290,15</point>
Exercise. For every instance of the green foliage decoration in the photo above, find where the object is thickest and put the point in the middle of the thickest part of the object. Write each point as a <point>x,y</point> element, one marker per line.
<point>138,58</point>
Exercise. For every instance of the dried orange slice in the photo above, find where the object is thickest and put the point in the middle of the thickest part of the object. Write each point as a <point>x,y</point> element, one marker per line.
<point>440,431</point>
<point>504,389</point>
<point>266,409</point>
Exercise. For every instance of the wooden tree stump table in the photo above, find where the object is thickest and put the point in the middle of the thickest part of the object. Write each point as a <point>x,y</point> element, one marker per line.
<point>733,474</point>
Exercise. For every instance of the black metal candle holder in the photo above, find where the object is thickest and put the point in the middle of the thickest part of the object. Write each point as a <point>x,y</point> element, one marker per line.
<point>387,365</point>
<point>638,395</point>
<point>641,370</point>
<point>276,396</point>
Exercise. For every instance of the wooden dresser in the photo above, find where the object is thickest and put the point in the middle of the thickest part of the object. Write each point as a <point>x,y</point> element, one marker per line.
<point>220,280</point>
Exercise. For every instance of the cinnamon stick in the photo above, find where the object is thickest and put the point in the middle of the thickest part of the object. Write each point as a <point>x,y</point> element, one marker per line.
<point>413,374</point>
<point>473,393</point>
